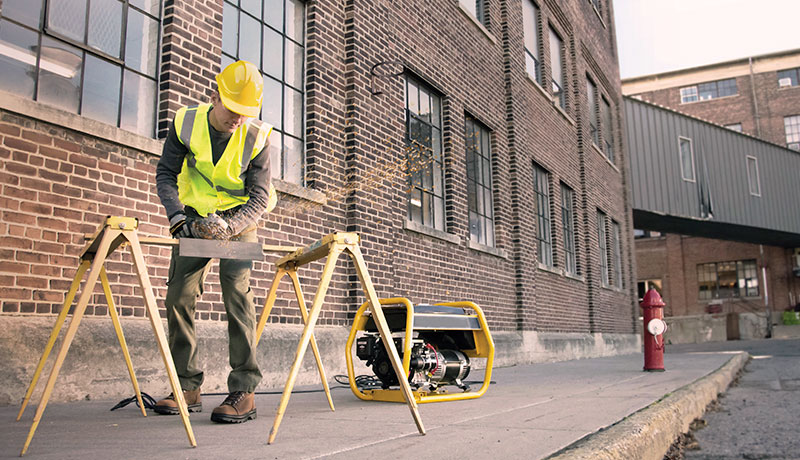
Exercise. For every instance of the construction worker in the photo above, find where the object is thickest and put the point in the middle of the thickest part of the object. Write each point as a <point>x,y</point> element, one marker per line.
<point>213,179</point>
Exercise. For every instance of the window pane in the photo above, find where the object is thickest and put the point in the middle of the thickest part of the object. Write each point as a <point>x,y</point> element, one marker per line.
<point>415,206</point>
<point>28,12</point>
<point>475,232</point>
<point>294,64</point>
<point>138,104</point>
<point>141,44</point>
<point>293,111</point>
<point>295,20</point>
<point>412,103</point>
<point>251,6</point>
<point>425,106</point>
<point>105,26</point>
<point>149,6</point>
<point>687,159</point>
<point>272,63</point>
<point>752,176</point>
<point>17,58</point>
<point>275,149</point>
<point>230,29</point>
<point>273,102</point>
<point>273,14</point>
<point>249,39</point>
<point>436,113</point>
<point>530,24</point>
<point>293,166</point>
<point>438,213</point>
<point>101,83</point>
<point>59,75</point>
<point>68,18</point>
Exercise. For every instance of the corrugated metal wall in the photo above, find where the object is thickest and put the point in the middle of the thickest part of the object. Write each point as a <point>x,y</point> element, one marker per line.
<point>720,163</point>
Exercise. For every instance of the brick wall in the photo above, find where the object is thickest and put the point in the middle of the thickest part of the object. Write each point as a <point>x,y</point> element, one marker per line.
<point>674,260</point>
<point>757,95</point>
<point>58,182</point>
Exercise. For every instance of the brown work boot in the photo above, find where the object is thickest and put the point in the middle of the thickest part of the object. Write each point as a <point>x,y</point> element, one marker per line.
<point>168,405</point>
<point>238,407</point>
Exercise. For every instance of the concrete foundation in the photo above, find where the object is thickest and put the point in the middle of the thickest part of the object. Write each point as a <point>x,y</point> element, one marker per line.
<point>95,368</point>
<point>715,328</point>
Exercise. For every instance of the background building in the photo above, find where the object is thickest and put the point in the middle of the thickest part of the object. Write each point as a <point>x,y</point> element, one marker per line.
<point>475,146</point>
<point>751,266</point>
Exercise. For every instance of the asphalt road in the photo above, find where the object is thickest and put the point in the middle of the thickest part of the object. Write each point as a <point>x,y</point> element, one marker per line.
<point>758,418</point>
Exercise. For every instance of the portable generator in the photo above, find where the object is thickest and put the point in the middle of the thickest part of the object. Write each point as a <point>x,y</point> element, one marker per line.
<point>435,343</point>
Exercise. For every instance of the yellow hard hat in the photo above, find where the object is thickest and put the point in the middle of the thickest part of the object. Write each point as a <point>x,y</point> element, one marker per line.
<point>241,88</point>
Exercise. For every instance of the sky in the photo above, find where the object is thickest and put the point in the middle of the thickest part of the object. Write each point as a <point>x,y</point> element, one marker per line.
<point>655,36</point>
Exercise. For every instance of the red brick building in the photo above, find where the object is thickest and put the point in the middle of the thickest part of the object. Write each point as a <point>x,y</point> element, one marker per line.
<point>475,146</point>
<point>758,96</point>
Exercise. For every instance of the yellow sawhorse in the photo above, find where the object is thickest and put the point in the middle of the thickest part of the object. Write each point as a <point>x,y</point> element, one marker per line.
<point>114,232</point>
<point>331,246</point>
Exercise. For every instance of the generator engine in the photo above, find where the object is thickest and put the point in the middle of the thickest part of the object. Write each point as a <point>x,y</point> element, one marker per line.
<point>429,366</point>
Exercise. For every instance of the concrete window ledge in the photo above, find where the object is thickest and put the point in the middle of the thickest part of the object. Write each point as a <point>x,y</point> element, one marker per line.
<point>57,117</point>
<point>497,252</point>
<point>432,232</point>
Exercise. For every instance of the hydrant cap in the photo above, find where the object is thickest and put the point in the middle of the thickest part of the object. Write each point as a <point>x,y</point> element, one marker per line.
<point>652,299</point>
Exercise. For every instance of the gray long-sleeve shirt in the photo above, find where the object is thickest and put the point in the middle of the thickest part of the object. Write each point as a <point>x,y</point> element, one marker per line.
<point>256,184</point>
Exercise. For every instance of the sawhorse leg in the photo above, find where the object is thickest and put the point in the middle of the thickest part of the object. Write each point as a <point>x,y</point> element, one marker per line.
<point>62,317</point>
<point>77,315</point>
<point>316,307</point>
<point>332,246</point>
<point>270,302</point>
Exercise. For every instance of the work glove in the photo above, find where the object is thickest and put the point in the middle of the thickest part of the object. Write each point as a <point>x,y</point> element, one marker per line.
<point>181,227</point>
<point>212,227</point>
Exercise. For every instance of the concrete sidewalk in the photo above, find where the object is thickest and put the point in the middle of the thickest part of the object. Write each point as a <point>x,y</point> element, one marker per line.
<point>530,412</point>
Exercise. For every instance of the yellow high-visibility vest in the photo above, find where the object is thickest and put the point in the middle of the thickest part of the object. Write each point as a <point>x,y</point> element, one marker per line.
<point>207,187</point>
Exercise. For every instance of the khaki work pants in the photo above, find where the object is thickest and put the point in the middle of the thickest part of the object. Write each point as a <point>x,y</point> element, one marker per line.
<point>184,286</point>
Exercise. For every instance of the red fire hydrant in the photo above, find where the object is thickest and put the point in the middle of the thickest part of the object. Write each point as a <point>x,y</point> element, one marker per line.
<point>654,328</point>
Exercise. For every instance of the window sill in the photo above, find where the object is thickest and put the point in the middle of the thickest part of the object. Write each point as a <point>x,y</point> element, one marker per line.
<point>299,191</point>
<point>575,277</point>
<point>549,269</point>
<point>64,119</point>
<point>709,100</point>
<point>563,112</point>
<point>432,232</point>
<point>539,87</point>
<point>475,21</point>
<point>603,154</point>
<point>497,252</point>
<point>616,289</point>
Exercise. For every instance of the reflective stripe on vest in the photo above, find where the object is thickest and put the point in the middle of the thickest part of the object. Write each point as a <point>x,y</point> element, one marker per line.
<point>207,187</point>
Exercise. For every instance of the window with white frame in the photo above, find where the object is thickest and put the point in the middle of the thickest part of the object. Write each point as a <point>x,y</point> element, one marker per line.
<point>752,176</point>
<point>271,35</point>
<point>98,59</point>
<point>479,182</point>
<point>477,8</point>
<point>558,76</point>
<point>594,122</point>
<point>686,153</point>
<point>568,226</point>
<point>608,130</point>
<point>709,90</point>
<point>541,184</point>
<point>788,77</point>
<point>616,249</point>
<point>791,126</point>
<point>725,280</point>
<point>602,246</point>
<point>424,154</point>
<point>530,24</point>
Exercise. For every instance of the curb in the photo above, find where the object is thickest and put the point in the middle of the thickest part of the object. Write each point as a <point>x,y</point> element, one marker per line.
<point>649,432</point>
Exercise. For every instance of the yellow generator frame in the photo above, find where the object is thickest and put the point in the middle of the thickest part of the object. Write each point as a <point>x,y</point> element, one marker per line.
<point>475,322</point>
